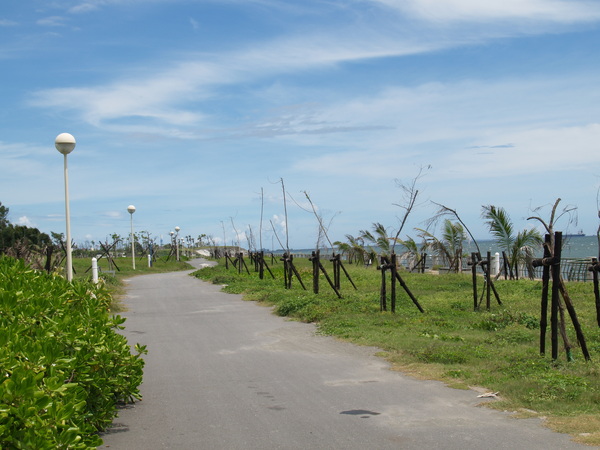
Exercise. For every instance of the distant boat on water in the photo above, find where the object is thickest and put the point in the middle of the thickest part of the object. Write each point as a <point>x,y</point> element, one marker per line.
<point>580,233</point>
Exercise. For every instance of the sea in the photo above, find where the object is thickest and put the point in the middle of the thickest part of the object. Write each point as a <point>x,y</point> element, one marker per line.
<point>574,247</point>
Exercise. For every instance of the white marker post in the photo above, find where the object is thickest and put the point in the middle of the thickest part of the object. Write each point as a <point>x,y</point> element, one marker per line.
<point>95,270</point>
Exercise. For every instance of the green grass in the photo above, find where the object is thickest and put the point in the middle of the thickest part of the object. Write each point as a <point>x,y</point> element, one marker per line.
<point>497,350</point>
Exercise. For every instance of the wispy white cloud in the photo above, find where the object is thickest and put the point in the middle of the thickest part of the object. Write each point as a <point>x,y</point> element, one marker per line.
<point>556,11</point>
<point>52,21</point>
<point>8,23</point>
<point>85,6</point>
<point>112,214</point>
<point>463,127</point>
<point>154,98</point>
<point>174,96</point>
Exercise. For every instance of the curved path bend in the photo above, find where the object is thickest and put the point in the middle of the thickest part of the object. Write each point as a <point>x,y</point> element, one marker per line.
<point>222,373</point>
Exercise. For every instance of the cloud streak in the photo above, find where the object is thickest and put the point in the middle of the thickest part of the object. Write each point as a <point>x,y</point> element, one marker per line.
<point>549,11</point>
<point>175,96</point>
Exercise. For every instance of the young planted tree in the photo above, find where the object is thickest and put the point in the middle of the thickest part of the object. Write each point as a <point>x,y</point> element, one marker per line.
<point>555,215</point>
<point>387,246</point>
<point>354,249</point>
<point>551,264</point>
<point>515,248</point>
<point>450,246</point>
<point>414,252</point>
<point>379,237</point>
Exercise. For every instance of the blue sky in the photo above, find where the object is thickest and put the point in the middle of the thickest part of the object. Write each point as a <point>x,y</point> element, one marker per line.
<point>189,109</point>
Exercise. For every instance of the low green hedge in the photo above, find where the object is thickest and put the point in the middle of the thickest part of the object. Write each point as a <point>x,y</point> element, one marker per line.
<point>63,366</point>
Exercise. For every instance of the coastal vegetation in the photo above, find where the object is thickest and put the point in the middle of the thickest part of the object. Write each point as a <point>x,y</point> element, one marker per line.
<point>496,350</point>
<point>64,366</point>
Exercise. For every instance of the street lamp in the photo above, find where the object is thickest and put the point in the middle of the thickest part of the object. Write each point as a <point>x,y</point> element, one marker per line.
<point>131,210</point>
<point>65,143</point>
<point>177,241</point>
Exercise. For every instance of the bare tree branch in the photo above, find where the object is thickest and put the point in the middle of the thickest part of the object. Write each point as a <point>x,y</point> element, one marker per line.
<point>444,210</point>
<point>276,235</point>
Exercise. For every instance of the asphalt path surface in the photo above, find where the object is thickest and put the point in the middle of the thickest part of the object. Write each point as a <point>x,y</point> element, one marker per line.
<point>223,373</point>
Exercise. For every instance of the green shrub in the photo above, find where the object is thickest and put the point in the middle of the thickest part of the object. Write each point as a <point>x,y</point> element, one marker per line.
<point>63,365</point>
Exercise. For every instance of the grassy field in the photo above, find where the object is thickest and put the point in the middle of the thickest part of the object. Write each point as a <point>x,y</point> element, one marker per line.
<point>497,350</point>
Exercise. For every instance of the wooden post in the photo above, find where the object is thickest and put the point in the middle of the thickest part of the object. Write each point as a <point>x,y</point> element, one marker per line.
<point>348,275</point>
<point>394,271</point>
<point>383,293</point>
<point>295,272</point>
<point>286,271</point>
<point>315,269</point>
<point>329,280</point>
<point>50,249</point>
<point>545,289</point>
<point>489,282</point>
<point>475,261</point>
<point>336,271</point>
<point>243,263</point>
<point>555,273</point>
<point>576,325</point>
<point>261,264</point>
<point>594,268</point>
<point>408,292</point>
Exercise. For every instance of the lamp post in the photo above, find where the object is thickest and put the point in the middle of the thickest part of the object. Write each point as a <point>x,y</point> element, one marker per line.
<point>65,143</point>
<point>131,210</point>
<point>177,241</point>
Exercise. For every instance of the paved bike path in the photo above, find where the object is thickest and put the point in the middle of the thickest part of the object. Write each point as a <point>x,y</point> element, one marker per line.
<point>223,373</point>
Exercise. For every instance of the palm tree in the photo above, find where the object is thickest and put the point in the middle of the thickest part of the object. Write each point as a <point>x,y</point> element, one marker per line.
<point>343,248</point>
<point>357,252</point>
<point>412,249</point>
<point>516,247</point>
<point>523,248</point>
<point>380,238</point>
<point>450,246</point>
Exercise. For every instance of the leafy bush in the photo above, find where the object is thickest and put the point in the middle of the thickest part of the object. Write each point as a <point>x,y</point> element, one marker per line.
<point>63,366</point>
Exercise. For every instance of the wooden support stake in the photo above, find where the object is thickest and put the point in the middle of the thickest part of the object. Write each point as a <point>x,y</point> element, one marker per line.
<point>594,268</point>
<point>329,280</point>
<point>315,269</point>
<point>394,272</point>
<point>475,261</point>
<point>555,273</point>
<point>408,292</point>
<point>488,290</point>
<point>382,292</point>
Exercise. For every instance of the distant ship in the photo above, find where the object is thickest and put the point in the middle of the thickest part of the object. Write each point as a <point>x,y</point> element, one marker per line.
<point>580,233</point>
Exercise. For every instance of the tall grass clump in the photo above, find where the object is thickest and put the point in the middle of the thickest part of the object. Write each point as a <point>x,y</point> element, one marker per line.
<point>63,366</point>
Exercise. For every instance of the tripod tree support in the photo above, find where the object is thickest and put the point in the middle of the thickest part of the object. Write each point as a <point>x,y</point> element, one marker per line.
<point>318,266</point>
<point>551,260</point>
<point>289,270</point>
<point>386,265</point>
